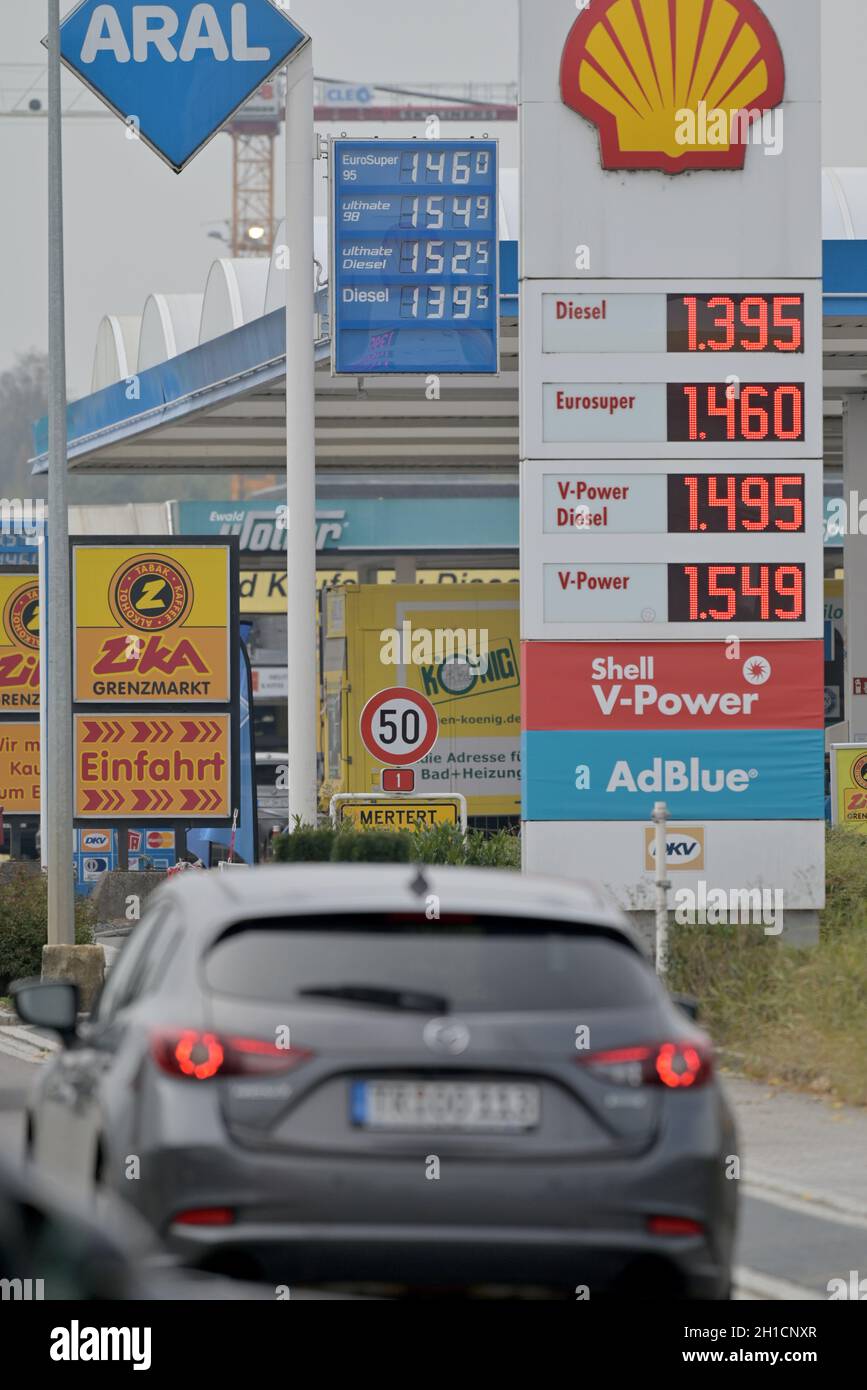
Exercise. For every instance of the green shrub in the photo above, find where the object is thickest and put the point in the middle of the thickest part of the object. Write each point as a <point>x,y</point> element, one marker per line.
<point>445,844</point>
<point>499,851</point>
<point>305,844</point>
<point>372,847</point>
<point>439,844</point>
<point>24,925</point>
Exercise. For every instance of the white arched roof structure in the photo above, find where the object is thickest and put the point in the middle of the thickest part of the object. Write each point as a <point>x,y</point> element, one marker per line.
<point>844,204</point>
<point>169,325</point>
<point>115,356</point>
<point>275,293</point>
<point>240,290</point>
<point>234,295</point>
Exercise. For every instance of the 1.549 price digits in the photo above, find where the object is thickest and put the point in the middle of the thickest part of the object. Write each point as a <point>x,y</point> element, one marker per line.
<point>736,593</point>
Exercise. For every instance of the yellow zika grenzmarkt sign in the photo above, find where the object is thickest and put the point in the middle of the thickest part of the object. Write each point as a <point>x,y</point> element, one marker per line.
<point>153,767</point>
<point>152,623</point>
<point>399,814</point>
<point>19,768</point>
<point>849,785</point>
<point>19,641</point>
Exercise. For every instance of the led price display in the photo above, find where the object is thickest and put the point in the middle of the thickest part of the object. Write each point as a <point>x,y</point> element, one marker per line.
<point>415,276</point>
<point>736,503</point>
<point>736,593</point>
<point>736,323</point>
<point>717,413</point>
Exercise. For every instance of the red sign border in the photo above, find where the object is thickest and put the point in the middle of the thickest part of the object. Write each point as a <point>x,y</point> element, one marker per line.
<point>365,726</point>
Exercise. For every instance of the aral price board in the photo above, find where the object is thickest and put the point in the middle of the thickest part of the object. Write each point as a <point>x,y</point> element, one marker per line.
<point>399,726</point>
<point>415,256</point>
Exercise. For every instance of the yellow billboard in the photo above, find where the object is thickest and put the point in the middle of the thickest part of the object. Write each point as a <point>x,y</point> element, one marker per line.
<point>849,785</point>
<point>151,625</point>
<point>458,645</point>
<point>161,766</point>
<point>19,641</point>
<point>19,768</point>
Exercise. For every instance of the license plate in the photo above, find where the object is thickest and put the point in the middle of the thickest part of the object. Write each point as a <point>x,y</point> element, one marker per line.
<point>481,1106</point>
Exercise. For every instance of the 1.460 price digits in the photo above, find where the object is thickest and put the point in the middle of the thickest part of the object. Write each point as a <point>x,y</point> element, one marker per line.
<point>715,413</point>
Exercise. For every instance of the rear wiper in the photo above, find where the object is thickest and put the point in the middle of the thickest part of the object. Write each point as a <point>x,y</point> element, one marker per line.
<point>408,999</point>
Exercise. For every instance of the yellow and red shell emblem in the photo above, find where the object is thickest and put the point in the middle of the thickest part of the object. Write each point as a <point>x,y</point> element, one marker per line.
<point>654,75</point>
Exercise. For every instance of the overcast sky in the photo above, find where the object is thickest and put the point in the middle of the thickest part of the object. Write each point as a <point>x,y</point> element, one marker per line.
<point>132,226</point>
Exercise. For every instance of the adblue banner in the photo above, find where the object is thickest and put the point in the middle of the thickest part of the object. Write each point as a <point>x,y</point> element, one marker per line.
<point>750,775</point>
<point>673,685</point>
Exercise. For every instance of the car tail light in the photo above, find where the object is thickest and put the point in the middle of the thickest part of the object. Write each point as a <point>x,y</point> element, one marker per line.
<point>674,1226</point>
<point>677,1066</point>
<point>205,1216</point>
<point>187,1052</point>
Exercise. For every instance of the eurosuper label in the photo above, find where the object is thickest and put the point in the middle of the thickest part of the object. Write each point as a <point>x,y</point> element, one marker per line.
<point>604,413</point>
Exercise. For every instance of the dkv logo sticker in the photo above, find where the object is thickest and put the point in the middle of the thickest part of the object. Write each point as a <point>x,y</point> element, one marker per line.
<point>684,847</point>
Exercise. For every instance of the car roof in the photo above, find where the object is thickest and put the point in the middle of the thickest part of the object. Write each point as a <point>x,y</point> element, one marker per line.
<point>212,899</point>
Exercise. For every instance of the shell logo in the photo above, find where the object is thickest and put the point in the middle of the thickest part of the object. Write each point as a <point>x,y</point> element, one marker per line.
<point>672,84</point>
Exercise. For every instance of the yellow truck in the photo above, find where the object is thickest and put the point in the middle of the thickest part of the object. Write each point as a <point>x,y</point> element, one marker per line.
<point>459,646</point>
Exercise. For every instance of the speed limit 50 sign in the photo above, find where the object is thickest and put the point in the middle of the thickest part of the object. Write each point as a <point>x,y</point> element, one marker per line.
<point>399,726</point>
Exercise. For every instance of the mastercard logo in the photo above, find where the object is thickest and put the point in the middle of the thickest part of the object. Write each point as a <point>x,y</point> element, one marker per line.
<point>150,593</point>
<point>672,86</point>
<point>21,616</point>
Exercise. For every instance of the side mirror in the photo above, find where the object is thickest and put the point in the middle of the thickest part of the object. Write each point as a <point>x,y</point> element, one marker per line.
<point>689,1004</point>
<point>52,1004</point>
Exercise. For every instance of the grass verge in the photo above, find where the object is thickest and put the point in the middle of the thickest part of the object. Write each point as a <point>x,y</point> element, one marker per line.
<point>781,1014</point>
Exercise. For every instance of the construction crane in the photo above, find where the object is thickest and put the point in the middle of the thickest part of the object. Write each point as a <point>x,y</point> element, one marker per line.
<point>255,128</point>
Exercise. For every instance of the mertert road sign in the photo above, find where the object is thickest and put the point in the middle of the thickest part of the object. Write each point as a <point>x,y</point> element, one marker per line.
<point>137,767</point>
<point>175,73</point>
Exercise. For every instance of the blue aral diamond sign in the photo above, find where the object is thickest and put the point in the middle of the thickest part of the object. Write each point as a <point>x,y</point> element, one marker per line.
<point>178,70</point>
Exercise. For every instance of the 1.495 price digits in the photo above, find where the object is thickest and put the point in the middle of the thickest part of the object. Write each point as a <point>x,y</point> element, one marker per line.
<point>736,503</point>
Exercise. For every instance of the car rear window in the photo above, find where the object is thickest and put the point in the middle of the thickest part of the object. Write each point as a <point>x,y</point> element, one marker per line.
<point>471,963</point>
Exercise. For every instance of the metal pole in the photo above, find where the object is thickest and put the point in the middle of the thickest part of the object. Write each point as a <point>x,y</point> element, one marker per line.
<point>57,791</point>
<point>300,442</point>
<point>660,819</point>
